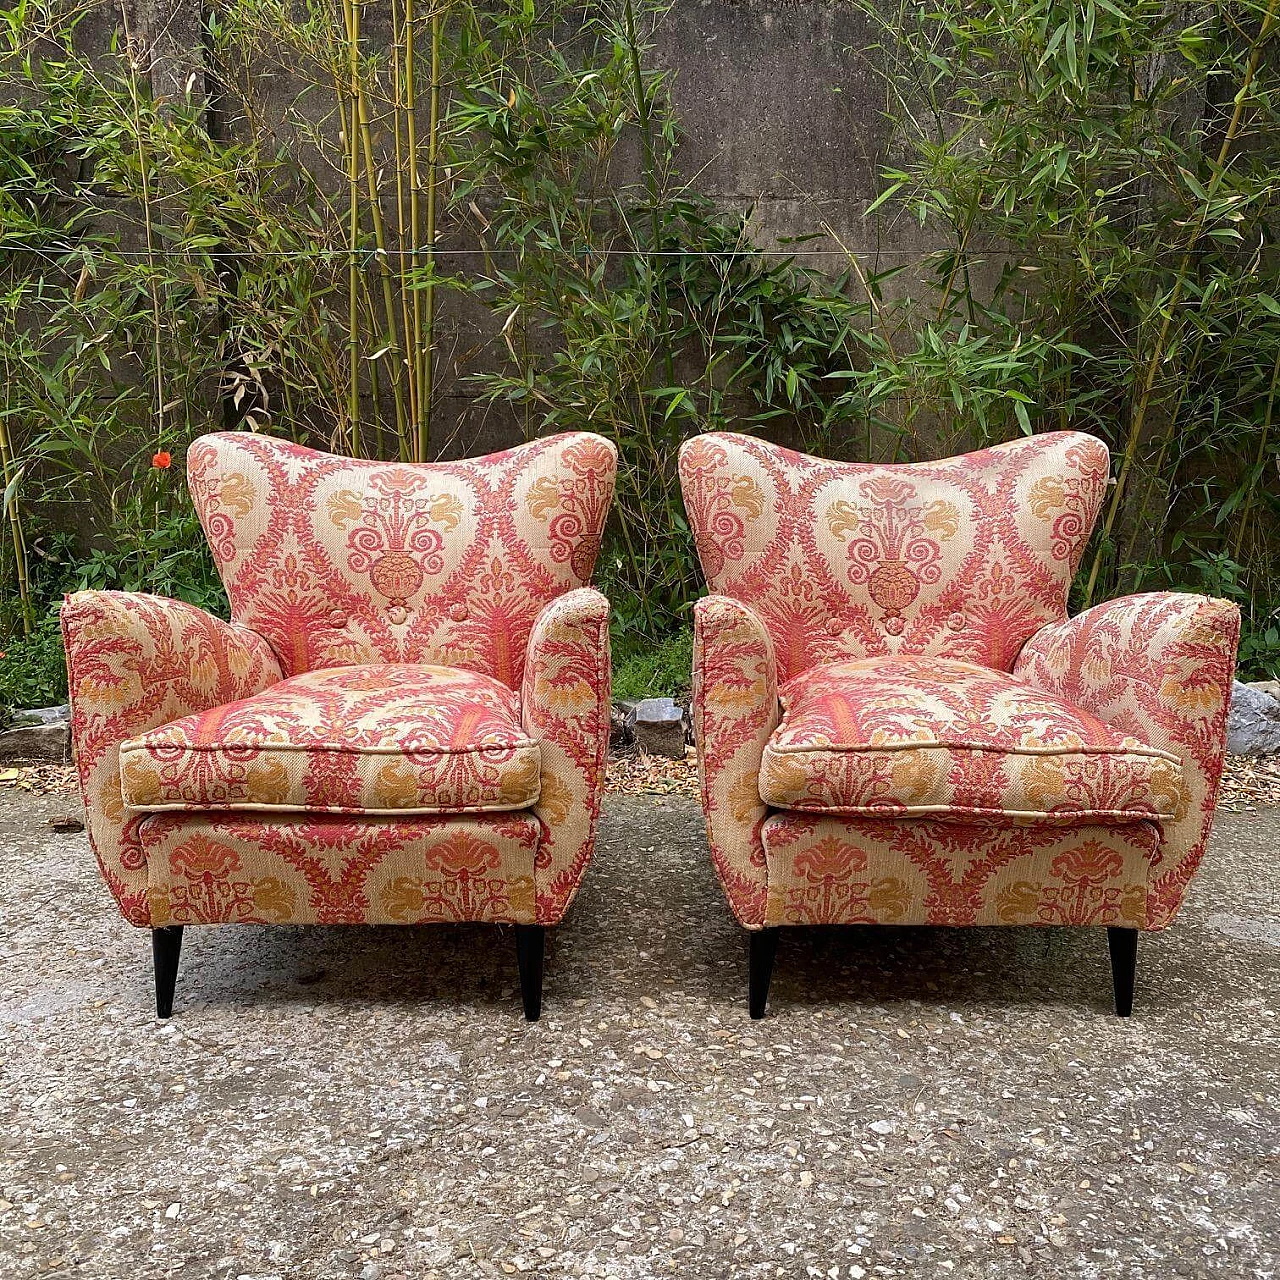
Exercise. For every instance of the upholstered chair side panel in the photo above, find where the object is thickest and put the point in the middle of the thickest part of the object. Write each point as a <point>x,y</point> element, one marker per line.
<point>339,561</point>
<point>1157,666</point>
<point>885,871</point>
<point>135,662</point>
<point>735,709</point>
<point>963,558</point>
<point>234,868</point>
<point>565,706</point>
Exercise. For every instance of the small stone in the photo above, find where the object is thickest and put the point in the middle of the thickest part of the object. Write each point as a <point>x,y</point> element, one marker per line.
<point>40,715</point>
<point>37,743</point>
<point>659,727</point>
<point>1253,722</point>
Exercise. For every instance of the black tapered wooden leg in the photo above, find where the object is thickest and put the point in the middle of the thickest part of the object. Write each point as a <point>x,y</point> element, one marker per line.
<point>763,948</point>
<point>166,945</point>
<point>530,941</point>
<point>1123,944</point>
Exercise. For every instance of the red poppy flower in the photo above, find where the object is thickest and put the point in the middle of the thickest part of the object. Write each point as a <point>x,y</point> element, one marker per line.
<point>161,459</point>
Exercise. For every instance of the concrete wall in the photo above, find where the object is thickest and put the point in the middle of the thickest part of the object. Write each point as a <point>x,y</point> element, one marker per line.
<point>781,114</point>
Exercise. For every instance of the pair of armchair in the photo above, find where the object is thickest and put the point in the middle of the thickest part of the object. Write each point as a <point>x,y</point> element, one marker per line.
<point>407,719</point>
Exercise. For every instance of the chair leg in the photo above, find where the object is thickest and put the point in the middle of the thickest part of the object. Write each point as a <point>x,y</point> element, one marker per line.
<point>530,940</point>
<point>762,949</point>
<point>166,945</point>
<point>1123,945</point>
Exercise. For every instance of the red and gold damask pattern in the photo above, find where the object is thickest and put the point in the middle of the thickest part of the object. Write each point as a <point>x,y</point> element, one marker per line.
<point>383,739</point>
<point>964,558</point>
<point>134,662</point>
<point>338,561</point>
<point>858,871</point>
<point>735,709</point>
<point>939,738</point>
<point>565,703</point>
<point>388,612</point>
<point>236,868</point>
<point>895,600</point>
<point>1159,667</point>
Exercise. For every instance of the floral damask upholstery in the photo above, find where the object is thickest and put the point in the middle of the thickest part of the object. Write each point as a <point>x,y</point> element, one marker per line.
<point>934,737</point>
<point>335,561</point>
<point>406,719</point>
<point>965,558</point>
<point>229,868</point>
<point>824,870</point>
<point>389,739</point>
<point>896,720</point>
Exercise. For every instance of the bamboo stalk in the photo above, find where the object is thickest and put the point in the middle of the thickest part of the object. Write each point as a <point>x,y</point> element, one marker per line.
<point>651,183</point>
<point>405,264</point>
<point>411,100</point>
<point>1247,506</point>
<point>375,383</point>
<point>1143,526</point>
<point>427,387</point>
<point>392,336</point>
<point>16,534</point>
<point>1175,298</point>
<point>351,19</point>
<point>145,180</point>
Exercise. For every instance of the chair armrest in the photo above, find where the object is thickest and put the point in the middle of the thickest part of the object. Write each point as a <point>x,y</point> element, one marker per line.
<point>564,701</point>
<point>735,709</point>
<point>1159,667</point>
<point>135,662</point>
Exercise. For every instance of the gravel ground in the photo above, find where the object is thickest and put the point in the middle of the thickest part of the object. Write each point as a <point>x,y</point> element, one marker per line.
<point>368,1103</point>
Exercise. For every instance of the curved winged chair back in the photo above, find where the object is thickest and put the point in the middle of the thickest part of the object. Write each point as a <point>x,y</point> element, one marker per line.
<point>337,561</point>
<point>964,558</point>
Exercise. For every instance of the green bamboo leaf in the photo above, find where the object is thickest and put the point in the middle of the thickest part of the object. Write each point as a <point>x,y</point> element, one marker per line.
<point>887,194</point>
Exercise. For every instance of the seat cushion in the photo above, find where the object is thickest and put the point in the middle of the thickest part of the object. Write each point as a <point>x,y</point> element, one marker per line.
<point>386,739</point>
<point>900,736</point>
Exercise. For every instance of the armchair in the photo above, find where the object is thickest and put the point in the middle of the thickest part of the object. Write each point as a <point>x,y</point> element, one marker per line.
<point>406,720</point>
<point>898,724</point>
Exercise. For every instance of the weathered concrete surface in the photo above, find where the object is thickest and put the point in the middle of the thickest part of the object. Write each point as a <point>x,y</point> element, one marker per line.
<point>368,1103</point>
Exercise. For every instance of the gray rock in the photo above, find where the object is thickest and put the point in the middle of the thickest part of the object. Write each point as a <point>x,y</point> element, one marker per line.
<point>1269,687</point>
<point>37,744</point>
<point>39,715</point>
<point>659,727</point>
<point>658,711</point>
<point>1253,723</point>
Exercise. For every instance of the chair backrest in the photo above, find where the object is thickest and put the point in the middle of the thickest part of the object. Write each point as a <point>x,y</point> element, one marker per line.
<point>337,561</point>
<point>964,558</point>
